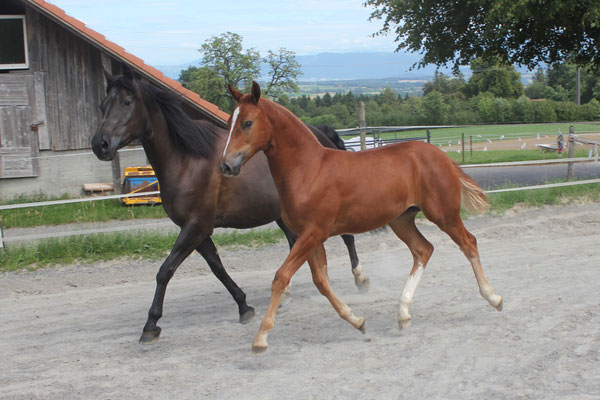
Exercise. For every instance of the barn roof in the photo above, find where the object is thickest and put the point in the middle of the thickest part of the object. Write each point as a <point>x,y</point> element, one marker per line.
<point>118,52</point>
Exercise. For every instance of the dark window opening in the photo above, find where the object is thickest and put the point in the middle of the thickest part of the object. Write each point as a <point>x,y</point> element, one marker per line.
<point>13,42</point>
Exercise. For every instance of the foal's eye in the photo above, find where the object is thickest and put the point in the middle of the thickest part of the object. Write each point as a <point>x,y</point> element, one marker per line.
<point>247,124</point>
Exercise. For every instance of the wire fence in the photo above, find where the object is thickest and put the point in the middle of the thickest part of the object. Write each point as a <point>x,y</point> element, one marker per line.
<point>141,226</point>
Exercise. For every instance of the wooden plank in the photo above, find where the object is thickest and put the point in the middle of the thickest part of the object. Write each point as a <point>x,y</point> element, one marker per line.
<point>13,91</point>
<point>16,162</point>
<point>43,135</point>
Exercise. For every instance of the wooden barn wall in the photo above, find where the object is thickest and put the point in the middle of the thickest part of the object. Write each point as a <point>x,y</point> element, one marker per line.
<point>74,84</point>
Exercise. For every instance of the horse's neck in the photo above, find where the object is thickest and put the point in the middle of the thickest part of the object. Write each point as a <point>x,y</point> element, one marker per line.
<point>294,151</point>
<point>160,150</point>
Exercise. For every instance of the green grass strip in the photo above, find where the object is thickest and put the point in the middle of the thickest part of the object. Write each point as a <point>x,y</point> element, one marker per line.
<point>103,247</point>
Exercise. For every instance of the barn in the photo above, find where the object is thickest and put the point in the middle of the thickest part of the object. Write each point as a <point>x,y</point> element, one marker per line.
<point>51,86</point>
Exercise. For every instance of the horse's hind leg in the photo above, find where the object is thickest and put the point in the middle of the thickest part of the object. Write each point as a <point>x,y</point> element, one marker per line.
<point>404,227</point>
<point>360,279</point>
<point>208,250</point>
<point>468,244</point>
<point>318,268</point>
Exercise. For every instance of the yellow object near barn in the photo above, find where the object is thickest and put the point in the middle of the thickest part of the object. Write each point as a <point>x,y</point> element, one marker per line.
<point>140,180</point>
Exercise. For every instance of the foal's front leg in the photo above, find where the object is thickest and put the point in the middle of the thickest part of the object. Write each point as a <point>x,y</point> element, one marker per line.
<point>318,268</point>
<point>188,239</point>
<point>298,254</point>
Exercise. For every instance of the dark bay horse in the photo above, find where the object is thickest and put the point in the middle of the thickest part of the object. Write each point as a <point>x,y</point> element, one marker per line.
<point>195,195</point>
<point>364,190</point>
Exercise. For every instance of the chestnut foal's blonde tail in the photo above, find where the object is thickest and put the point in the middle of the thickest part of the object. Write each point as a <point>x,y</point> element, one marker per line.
<point>473,197</point>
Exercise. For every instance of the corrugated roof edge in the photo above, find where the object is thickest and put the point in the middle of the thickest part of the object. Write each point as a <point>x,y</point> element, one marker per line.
<point>136,62</point>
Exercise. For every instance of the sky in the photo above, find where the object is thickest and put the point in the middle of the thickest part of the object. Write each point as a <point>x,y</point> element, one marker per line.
<point>171,32</point>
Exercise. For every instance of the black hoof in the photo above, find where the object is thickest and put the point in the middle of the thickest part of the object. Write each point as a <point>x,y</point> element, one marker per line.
<point>149,337</point>
<point>247,316</point>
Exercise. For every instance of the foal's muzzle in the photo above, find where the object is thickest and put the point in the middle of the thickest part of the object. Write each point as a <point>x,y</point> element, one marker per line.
<point>232,165</point>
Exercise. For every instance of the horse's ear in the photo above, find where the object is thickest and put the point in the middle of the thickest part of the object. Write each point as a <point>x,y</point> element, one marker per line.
<point>127,72</point>
<point>109,78</point>
<point>255,92</point>
<point>236,94</point>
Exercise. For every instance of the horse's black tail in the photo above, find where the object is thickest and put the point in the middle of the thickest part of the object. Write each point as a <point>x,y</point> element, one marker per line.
<point>332,135</point>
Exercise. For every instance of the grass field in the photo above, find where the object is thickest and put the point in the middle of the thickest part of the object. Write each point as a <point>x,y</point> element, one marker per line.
<point>483,132</point>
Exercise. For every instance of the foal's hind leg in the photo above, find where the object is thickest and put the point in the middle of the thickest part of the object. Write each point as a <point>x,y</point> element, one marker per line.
<point>404,227</point>
<point>360,279</point>
<point>468,244</point>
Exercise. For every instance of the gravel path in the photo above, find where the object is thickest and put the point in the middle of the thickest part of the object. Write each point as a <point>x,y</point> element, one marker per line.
<point>71,332</point>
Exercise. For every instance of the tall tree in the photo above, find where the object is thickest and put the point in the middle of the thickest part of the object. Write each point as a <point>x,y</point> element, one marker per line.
<point>495,78</point>
<point>284,71</point>
<point>225,55</point>
<point>520,32</point>
<point>224,62</point>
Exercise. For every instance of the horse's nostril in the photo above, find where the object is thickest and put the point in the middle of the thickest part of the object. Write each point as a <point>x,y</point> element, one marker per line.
<point>104,145</point>
<point>225,169</point>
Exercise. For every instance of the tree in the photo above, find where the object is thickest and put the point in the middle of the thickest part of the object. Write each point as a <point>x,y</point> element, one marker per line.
<point>496,78</point>
<point>284,71</point>
<point>519,32</point>
<point>445,85</point>
<point>207,84</point>
<point>224,62</point>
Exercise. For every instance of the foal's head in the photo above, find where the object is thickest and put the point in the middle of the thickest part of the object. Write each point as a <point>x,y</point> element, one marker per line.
<point>249,131</point>
<point>124,116</point>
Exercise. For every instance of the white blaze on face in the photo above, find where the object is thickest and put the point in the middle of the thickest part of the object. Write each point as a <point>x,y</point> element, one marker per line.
<point>236,112</point>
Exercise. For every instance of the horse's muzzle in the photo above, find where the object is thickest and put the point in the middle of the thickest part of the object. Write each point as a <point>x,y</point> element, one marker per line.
<point>103,148</point>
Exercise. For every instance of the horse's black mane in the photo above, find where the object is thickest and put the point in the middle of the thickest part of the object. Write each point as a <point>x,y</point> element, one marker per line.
<point>196,138</point>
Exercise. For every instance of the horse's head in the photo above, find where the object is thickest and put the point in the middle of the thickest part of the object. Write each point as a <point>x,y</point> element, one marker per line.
<point>124,116</point>
<point>249,131</point>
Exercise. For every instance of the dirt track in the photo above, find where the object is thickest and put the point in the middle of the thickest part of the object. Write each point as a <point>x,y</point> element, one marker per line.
<point>71,332</point>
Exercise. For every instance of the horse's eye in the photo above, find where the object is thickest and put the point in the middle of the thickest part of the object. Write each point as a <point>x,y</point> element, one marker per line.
<point>127,102</point>
<point>247,124</point>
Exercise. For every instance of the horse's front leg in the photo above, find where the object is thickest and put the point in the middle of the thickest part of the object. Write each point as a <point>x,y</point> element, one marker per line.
<point>189,238</point>
<point>208,250</point>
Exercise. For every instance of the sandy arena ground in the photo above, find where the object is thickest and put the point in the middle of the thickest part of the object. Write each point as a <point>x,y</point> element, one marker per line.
<point>71,332</point>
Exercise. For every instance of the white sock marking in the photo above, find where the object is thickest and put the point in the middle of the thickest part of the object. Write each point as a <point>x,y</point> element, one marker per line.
<point>409,291</point>
<point>236,112</point>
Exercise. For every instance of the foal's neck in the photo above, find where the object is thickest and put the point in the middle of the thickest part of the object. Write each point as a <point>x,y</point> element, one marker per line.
<point>294,150</point>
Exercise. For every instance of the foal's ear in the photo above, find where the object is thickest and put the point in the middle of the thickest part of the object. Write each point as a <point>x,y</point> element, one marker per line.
<point>255,91</point>
<point>236,94</point>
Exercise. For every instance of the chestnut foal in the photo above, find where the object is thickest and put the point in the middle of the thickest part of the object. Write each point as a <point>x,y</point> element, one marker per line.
<point>363,191</point>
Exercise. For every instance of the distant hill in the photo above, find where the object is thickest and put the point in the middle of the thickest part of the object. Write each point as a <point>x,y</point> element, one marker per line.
<point>355,66</point>
<point>342,66</point>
